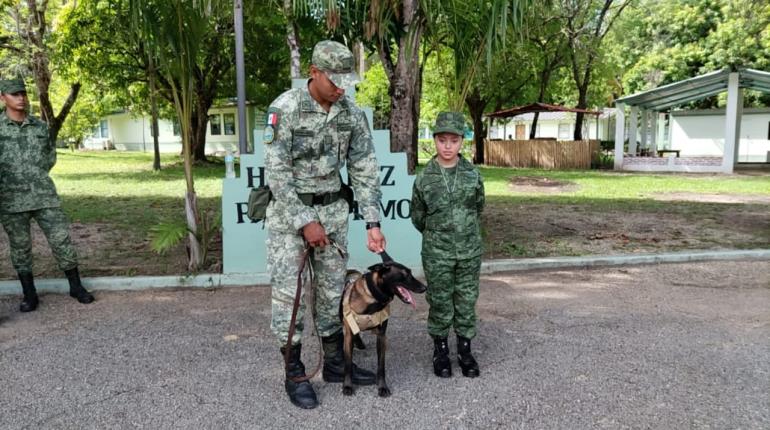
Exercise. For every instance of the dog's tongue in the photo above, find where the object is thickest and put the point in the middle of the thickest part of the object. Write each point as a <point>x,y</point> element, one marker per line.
<point>406,296</point>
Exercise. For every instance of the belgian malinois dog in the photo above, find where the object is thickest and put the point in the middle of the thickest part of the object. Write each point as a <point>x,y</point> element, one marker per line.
<point>365,306</point>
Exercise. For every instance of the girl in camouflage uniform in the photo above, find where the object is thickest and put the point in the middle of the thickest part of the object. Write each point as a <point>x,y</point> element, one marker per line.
<point>447,200</point>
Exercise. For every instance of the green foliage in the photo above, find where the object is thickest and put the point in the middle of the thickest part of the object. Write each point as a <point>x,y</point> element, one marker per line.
<point>167,235</point>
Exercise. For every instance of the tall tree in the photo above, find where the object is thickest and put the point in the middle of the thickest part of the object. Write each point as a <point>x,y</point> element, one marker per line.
<point>106,49</point>
<point>587,22</point>
<point>176,32</point>
<point>31,44</point>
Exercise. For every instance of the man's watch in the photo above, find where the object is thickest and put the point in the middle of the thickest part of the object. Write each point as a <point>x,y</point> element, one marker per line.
<point>371,225</point>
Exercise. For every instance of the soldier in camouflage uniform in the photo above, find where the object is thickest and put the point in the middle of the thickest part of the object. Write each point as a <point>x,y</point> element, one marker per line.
<point>27,192</point>
<point>447,200</point>
<point>311,133</point>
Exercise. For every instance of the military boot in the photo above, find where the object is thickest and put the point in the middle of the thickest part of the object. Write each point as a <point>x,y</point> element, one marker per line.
<point>30,301</point>
<point>76,287</point>
<point>442,367</point>
<point>301,394</point>
<point>467,363</point>
<point>334,363</point>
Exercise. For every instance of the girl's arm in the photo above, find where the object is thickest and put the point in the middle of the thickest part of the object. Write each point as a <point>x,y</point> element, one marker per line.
<point>418,208</point>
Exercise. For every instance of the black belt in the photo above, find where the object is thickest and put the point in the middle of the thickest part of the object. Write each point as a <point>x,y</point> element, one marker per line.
<point>310,199</point>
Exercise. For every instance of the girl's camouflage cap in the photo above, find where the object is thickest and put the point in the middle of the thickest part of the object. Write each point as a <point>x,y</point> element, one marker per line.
<point>336,60</point>
<point>13,86</point>
<point>449,122</point>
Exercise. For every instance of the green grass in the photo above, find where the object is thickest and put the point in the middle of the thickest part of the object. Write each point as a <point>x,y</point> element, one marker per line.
<point>121,188</point>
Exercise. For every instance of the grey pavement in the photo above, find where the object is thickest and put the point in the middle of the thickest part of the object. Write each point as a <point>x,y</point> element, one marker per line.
<point>665,346</point>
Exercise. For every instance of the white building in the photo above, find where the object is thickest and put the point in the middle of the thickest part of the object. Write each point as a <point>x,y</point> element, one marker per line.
<point>701,133</point>
<point>124,131</point>
<point>693,141</point>
<point>557,125</point>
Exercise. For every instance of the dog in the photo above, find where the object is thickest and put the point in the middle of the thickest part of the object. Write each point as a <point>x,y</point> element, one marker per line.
<point>365,305</point>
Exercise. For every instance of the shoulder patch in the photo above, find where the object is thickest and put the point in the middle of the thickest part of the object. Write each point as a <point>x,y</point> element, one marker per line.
<point>271,124</point>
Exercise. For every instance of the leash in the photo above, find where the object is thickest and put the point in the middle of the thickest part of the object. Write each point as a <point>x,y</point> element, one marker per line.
<point>293,323</point>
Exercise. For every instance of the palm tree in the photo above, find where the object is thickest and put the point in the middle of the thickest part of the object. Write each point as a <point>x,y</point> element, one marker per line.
<point>174,32</point>
<point>398,28</point>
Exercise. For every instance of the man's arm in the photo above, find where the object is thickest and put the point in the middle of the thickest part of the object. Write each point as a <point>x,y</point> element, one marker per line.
<point>365,179</point>
<point>278,170</point>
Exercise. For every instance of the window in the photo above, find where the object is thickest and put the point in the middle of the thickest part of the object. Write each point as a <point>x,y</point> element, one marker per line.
<point>176,129</point>
<point>229,123</point>
<point>216,124</point>
<point>564,131</point>
<point>102,130</point>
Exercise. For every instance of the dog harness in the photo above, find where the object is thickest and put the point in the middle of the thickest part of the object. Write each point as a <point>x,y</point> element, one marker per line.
<point>360,322</point>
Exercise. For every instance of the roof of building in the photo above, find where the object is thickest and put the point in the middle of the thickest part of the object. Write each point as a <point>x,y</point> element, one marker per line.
<point>537,107</point>
<point>699,87</point>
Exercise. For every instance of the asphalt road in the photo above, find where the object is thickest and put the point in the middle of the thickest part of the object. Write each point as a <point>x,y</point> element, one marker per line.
<point>662,347</point>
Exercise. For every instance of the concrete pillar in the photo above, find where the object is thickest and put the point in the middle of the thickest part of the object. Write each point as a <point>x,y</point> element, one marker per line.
<point>644,129</point>
<point>733,115</point>
<point>632,120</point>
<point>653,133</point>
<point>620,125</point>
<point>661,141</point>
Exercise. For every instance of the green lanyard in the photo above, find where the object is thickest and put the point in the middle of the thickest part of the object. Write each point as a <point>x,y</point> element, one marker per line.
<point>446,183</point>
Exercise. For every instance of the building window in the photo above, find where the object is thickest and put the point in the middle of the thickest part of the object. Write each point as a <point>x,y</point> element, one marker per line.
<point>229,123</point>
<point>564,131</point>
<point>102,130</point>
<point>216,124</point>
<point>175,128</point>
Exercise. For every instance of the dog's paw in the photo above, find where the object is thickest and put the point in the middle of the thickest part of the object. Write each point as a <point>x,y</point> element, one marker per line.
<point>384,392</point>
<point>348,391</point>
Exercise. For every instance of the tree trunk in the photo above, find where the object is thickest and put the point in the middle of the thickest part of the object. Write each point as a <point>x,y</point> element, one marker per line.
<point>403,77</point>
<point>292,39</point>
<point>476,105</point>
<point>582,104</point>
<point>154,117</point>
<point>195,262</point>
<point>200,120</point>
<point>533,130</point>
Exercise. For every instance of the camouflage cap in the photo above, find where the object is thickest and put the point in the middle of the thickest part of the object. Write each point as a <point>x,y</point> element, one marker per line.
<point>13,86</point>
<point>336,60</point>
<point>449,122</point>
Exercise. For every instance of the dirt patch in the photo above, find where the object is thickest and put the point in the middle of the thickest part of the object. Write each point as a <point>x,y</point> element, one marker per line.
<point>535,184</point>
<point>712,198</point>
<point>105,250</point>
<point>551,229</point>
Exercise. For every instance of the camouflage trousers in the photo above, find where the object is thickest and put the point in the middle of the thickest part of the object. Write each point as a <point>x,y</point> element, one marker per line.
<point>55,226</point>
<point>453,289</point>
<point>284,252</point>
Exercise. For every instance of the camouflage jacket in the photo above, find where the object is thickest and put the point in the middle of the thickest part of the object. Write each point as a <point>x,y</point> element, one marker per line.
<point>305,148</point>
<point>27,154</point>
<point>450,222</point>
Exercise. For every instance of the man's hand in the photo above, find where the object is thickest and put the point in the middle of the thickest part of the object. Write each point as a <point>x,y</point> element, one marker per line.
<point>315,235</point>
<point>375,240</point>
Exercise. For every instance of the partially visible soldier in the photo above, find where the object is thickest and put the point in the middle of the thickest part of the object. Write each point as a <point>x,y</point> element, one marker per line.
<point>312,133</point>
<point>27,192</point>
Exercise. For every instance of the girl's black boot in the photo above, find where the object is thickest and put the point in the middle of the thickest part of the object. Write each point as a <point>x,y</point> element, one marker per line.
<point>467,363</point>
<point>442,366</point>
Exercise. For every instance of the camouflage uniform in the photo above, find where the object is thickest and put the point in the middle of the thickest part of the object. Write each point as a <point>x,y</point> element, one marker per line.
<point>305,148</point>
<point>27,154</point>
<point>446,209</point>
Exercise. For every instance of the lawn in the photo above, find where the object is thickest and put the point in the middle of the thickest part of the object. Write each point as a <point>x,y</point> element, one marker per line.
<point>114,198</point>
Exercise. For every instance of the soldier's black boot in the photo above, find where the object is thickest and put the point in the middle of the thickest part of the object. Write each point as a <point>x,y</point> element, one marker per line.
<point>442,366</point>
<point>301,394</point>
<point>76,287</point>
<point>467,363</point>
<point>334,363</point>
<point>30,301</point>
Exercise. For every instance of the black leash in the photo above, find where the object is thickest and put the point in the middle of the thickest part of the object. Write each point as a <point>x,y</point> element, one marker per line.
<point>295,309</point>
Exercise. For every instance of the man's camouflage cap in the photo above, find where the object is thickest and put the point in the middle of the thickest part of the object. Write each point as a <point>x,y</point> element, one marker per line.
<point>449,122</point>
<point>336,60</point>
<point>13,86</point>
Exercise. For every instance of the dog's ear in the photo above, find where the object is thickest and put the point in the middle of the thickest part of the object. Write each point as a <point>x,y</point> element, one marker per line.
<point>375,268</point>
<point>385,257</point>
